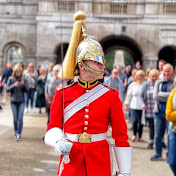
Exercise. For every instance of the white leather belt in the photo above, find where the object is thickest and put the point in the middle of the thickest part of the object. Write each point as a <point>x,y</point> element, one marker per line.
<point>86,138</point>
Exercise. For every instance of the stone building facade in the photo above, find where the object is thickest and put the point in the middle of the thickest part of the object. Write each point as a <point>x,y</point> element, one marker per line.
<point>37,30</point>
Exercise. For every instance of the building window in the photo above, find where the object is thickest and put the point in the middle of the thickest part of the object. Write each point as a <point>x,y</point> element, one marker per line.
<point>169,7</point>
<point>15,55</point>
<point>118,7</point>
<point>66,6</point>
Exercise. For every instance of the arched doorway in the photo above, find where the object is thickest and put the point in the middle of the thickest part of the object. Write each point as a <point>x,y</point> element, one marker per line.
<point>168,53</point>
<point>14,53</point>
<point>58,52</point>
<point>123,43</point>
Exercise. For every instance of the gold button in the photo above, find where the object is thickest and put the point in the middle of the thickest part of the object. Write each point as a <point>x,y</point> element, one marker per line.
<point>86,116</point>
<point>87,105</point>
<point>86,122</point>
<point>87,91</point>
<point>84,133</point>
<point>86,110</point>
<point>85,128</point>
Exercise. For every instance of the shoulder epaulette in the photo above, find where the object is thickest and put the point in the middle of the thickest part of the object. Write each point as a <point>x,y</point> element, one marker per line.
<point>108,87</point>
<point>67,86</point>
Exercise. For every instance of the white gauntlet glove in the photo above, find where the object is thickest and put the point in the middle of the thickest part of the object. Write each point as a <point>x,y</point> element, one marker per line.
<point>124,159</point>
<point>118,174</point>
<point>55,138</point>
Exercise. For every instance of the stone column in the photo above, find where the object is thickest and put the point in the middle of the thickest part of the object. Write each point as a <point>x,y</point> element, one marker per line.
<point>152,7</point>
<point>48,6</point>
<point>149,62</point>
<point>84,5</point>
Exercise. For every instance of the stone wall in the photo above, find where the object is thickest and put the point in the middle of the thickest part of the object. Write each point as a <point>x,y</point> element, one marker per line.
<point>40,26</point>
<point>18,26</point>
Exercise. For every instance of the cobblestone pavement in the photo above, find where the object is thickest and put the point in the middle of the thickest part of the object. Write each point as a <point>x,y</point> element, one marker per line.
<point>31,157</point>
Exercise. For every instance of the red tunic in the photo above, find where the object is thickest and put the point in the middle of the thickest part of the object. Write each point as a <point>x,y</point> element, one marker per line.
<point>90,159</point>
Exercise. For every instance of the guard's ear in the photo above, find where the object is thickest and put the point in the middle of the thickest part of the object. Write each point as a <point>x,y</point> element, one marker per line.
<point>80,66</point>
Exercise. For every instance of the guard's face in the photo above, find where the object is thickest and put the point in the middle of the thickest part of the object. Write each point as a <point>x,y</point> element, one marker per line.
<point>96,66</point>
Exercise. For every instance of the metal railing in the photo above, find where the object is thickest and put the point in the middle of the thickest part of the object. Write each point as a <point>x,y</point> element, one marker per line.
<point>118,8</point>
<point>66,6</point>
<point>96,7</point>
<point>169,8</point>
<point>113,7</point>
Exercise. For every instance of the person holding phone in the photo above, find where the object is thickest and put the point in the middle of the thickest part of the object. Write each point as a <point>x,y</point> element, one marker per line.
<point>17,86</point>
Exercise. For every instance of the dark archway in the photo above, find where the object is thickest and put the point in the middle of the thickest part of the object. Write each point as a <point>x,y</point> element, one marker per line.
<point>124,43</point>
<point>58,52</point>
<point>168,53</point>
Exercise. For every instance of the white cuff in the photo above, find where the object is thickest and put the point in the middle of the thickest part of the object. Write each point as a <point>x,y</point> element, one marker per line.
<point>124,159</point>
<point>53,135</point>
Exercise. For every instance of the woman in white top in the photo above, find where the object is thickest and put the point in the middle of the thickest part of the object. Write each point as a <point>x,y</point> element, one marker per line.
<point>135,101</point>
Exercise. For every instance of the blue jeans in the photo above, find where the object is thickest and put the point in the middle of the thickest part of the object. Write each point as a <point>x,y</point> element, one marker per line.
<point>18,111</point>
<point>30,96</point>
<point>172,152</point>
<point>136,121</point>
<point>161,124</point>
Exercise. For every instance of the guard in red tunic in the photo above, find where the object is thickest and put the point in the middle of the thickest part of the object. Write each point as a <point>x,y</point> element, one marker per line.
<point>82,112</point>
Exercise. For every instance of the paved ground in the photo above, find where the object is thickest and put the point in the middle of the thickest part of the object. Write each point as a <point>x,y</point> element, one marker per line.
<point>31,157</point>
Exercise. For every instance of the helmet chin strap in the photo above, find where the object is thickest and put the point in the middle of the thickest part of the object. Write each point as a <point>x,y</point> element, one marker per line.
<point>91,70</point>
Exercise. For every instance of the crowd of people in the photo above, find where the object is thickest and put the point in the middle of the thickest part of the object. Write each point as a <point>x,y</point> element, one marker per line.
<point>21,84</point>
<point>150,99</point>
<point>143,94</point>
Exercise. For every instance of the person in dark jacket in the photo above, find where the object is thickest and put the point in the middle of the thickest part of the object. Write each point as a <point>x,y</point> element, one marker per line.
<point>17,86</point>
<point>162,90</point>
<point>6,74</point>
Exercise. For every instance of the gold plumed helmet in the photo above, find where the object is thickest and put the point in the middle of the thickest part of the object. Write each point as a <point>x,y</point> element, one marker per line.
<point>81,48</point>
<point>89,49</point>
